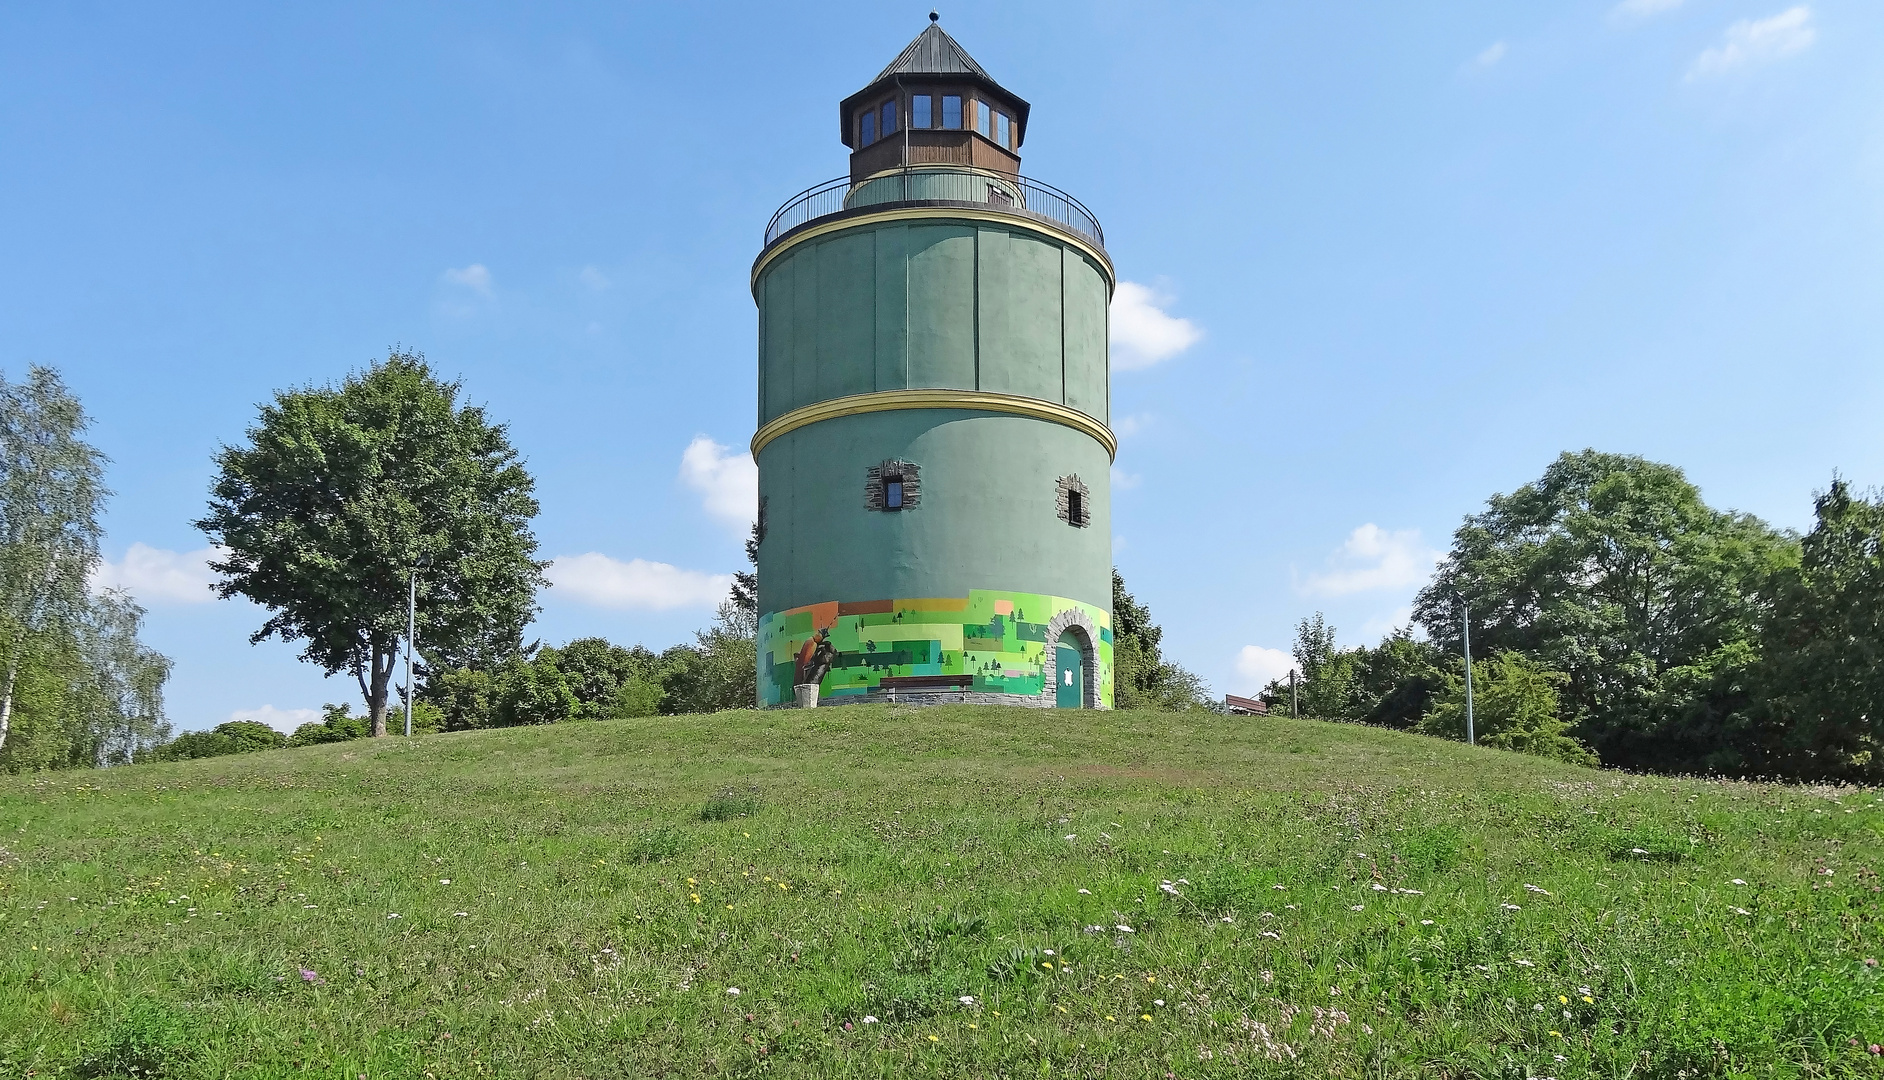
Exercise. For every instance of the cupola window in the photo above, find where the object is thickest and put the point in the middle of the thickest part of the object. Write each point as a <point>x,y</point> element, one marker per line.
<point>889,118</point>
<point>982,115</point>
<point>952,112</point>
<point>919,107</point>
<point>867,131</point>
<point>1000,128</point>
<point>892,486</point>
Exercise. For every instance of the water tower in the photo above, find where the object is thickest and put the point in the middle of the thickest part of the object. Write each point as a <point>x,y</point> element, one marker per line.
<point>933,448</point>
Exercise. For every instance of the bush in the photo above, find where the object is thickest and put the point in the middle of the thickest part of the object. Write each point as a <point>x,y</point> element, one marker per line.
<point>1515,707</point>
<point>333,726</point>
<point>233,737</point>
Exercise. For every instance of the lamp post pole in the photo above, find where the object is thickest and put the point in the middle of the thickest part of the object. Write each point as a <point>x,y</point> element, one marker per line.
<point>1465,627</point>
<point>412,610</point>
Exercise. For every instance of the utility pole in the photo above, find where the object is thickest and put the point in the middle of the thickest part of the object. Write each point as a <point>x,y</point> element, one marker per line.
<point>1465,626</point>
<point>1295,704</point>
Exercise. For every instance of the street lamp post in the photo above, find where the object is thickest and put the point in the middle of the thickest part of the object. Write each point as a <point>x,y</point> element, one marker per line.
<point>1465,627</point>
<point>412,625</point>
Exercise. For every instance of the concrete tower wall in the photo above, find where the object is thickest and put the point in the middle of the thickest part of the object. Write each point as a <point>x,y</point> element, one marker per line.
<point>933,303</point>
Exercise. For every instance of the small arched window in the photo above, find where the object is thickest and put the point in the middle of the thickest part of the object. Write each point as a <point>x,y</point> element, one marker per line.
<point>1073,501</point>
<point>892,486</point>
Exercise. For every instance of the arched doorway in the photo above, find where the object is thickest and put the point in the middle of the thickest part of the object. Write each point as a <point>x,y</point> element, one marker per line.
<point>1071,674</point>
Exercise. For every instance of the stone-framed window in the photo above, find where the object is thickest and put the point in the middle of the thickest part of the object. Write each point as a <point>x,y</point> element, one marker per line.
<point>892,486</point>
<point>1072,501</point>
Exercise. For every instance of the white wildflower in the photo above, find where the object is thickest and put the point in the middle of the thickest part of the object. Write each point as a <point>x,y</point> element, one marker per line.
<point>732,991</point>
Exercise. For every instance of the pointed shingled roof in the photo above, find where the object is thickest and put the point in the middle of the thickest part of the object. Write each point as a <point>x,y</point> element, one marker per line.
<point>933,53</point>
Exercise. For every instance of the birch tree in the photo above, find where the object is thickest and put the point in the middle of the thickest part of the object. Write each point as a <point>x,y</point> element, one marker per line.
<point>338,495</point>
<point>51,490</point>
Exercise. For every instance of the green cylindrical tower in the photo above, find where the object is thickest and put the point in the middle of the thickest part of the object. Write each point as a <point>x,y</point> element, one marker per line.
<point>933,449</point>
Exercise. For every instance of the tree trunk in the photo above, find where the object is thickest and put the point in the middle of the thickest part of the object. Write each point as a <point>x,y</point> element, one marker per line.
<point>376,696</point>
<point>6,700</point>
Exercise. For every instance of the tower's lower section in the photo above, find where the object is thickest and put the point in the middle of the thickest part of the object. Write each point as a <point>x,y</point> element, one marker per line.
<point>989,647</point>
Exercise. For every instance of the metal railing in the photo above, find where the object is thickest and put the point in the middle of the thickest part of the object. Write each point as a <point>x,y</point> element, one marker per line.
<point>937,185</point>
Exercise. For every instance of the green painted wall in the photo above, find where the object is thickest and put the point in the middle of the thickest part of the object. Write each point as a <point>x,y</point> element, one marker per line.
<point>986,519</point>
<point>943,303</point>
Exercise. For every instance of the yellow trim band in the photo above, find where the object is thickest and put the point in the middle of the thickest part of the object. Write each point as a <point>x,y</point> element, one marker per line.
<point>910,213</point>
<point>973,400</point>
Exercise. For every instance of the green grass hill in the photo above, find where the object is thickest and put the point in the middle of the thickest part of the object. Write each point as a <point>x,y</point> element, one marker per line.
<point>956,891</point>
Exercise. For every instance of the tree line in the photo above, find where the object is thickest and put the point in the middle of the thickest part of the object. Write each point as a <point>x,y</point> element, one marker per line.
<point>342,503</point>
<point>1616,617</point>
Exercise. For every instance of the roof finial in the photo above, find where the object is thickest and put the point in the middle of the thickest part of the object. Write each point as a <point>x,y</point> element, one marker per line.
<point>935,16</point>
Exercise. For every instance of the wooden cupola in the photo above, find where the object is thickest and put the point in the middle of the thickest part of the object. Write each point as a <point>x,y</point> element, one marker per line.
<point>933,106</point>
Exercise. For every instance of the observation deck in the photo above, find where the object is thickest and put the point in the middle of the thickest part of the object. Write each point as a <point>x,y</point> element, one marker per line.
<point>940,187</point>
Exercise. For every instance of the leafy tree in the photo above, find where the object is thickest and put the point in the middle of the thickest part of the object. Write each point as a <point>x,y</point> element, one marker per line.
<point>124,682</point>
<point>1141,677</point>
<point>1515,706</point>
<point>1823,677</point>
<point>234,737</point>
<point>531,691</point>
<point>464,697</point>
<point>745,595</point>
<point>1398,680</point>
<point>1612,570</point>
<point>342,491</point>
<point>720,670</point>
<point>51,490</point>
<point>600,674</point>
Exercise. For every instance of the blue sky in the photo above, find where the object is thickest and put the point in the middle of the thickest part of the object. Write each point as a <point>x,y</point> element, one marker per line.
<point>1385,260</point>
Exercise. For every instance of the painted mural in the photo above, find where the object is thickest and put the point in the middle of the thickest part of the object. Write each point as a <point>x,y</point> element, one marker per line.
<point>990,642</point>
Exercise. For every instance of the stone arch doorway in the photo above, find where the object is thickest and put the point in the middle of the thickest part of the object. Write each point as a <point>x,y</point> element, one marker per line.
<point>1072,662</point>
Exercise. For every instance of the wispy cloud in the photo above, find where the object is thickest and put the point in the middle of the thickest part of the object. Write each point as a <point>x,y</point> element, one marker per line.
<point>727,480</point>
<point>594,278</point>
<point>156,576</point>
<point>1373,558</point>
<point>1125,481</point>
<point>1636,10</point>
<point>1127,426</point>
<point>476,277</point>
<point>1143,334</point>
<point>600,581</point>
<point>1257,665</point>
<point>1490,55</point>
<point>1751,42</point>
<point>282,720</point>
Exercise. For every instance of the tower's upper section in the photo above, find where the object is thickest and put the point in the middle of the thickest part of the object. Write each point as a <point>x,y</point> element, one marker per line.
<point>933,106</point>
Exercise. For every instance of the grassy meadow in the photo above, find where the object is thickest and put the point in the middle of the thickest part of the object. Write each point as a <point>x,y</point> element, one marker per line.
<point>957,891</point>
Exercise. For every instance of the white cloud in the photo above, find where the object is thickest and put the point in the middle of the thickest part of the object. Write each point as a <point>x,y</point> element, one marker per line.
<point>1257,666</point>
<point>476,277</point>
<point>598,580</point>
<point>1142,334</point>
<point>156,576</point>
<point>282,720</point>
<point>1373,558</point>
<point>1757,41</point>
<point>1125,481</point>
<point>1641,9</point>
<point>1492,54</point>
<point>728,481</point>
<point>593,278</point>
